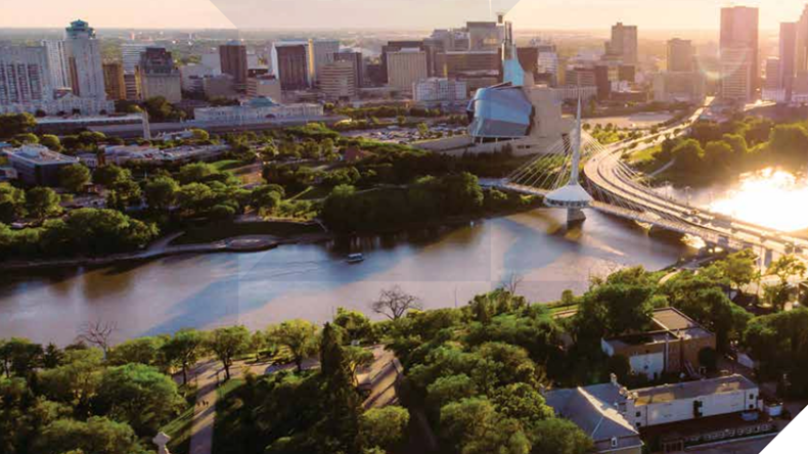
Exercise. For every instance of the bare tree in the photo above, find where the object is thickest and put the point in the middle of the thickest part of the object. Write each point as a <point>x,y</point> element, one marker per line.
<point>97,333</point>
<point>394,303</point>
<point>513,282</point>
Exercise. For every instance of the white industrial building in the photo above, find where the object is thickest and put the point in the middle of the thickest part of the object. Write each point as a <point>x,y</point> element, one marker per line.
<point>257,110</point>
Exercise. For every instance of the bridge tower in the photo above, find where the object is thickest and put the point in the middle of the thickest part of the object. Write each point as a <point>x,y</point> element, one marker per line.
<point>573,197</point>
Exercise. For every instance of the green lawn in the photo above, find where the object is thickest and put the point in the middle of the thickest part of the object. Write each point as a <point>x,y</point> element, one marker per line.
<point>226,164</point>
<point>227,425</point>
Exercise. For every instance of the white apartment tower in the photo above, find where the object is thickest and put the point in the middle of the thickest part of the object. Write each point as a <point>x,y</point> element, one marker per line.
<point>60,75</point>
<point>24,76</point>
<point>84,61</point>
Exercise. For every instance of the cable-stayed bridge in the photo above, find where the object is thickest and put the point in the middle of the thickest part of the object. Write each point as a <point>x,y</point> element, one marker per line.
<point>579,173</point>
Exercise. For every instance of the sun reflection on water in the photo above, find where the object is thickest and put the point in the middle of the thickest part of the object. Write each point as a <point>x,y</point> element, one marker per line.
<point>771,198</point>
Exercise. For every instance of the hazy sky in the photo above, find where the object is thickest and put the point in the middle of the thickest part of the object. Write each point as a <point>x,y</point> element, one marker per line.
<point>400,14</point>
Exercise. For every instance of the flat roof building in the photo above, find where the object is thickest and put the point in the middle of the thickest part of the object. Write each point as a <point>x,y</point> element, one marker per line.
<point>36,165</point>
<point>406,67</point>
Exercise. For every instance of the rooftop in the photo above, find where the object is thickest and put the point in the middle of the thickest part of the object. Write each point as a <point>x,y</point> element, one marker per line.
<point>689,390</point>
<point>669,324</point>
<point>39,155</point>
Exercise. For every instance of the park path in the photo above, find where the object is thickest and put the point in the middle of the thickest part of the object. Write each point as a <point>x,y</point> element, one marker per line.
<point>206,376</point>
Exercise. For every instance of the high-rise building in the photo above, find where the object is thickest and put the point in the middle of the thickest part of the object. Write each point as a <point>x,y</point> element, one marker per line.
<point>739,52</point>
<point>130,55</point>
<point>395,46</point>
<point>773,78</point>
<point>114,82</point>
<point>338,80</point>
<point>159,76</point>
<point>681,55</point>
<point>801,52</point>
<point>233,57</point>
<point>84,61</point>
<point>321,53</point>
<point>57,60</point>
<point>406,67</point>
<point>624,44</point>
<point>290,63</point>
<point>788,57</point>
<point>131,83</point>
<point>485,35</point>
<point>24,76</point>
<point>358,62</point>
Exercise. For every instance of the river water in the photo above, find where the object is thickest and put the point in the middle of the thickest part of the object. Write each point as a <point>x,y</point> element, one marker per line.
<point>444,267</point>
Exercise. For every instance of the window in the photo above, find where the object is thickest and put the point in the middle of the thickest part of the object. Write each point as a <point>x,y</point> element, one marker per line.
<point>614,442</point>
<point>639,414</point>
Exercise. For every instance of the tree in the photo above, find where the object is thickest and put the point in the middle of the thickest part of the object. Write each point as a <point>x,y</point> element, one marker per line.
<point>356,325</point>
<point>43,203</point>
<point>196,173</point>
<point>12,203</point>
<point>788,144</point>
<point>74,177</point>
<point>110,174</point>
<point>385,427</point>
<point>184,349</point>
<point>560,436</point>
<point>97,435</point>
<point>51,141</point>
<point>341,405</point>
<point>75,382</point>
<point>739,268</point>
<point>227,344</point>
<point>423,130</point>
<point>299,337</point>
<point>266,198</point>
<point>522,402</point>
<point>450,388</point>
<point>98,333</point>
<point>356,358</point>
<point>161,192</point>
<point>143,350</point>
<point>13,124</point>
<point>138,395</point>
<point>19,356</point>
<point>786,267</point>
<point>473,426</point>
<point>393,303</point>
<point>688,155</point>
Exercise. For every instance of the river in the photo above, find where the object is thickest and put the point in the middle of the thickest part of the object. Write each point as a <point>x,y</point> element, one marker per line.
<point>444,267</point>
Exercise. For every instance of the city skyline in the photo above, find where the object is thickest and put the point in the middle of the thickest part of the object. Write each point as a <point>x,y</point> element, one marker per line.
<point>390,14</point>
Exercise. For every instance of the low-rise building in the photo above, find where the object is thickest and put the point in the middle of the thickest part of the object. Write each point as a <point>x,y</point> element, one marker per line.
<point>257,110</point>
<point>671,346</point>
<point>439,90</point>
<point>264,86</point>
<point>690,87</point>
<point>37,165</point>
<point>122,154</point>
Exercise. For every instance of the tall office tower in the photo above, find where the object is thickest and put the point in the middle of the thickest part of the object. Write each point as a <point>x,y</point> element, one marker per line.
<point>233,57</point>
<point>485,35</point>
<point>739,52</point>
<point>321,53</point>
<point>159,76</point>
<point>773,78</point>
<point>801,53</point>
<point>338,80</point>
<point>290,63</point>
<point>681,56</point>
<point>84,61</point>
<point>358,62</point>
<point>624,44</point>
<point>548,61</point>
<point>406,67</point>
<point>788,57</point>
<point>114,82</point>
<point>395,46</point>
<point>130,54</point>
<point>24,76</point>
<point>60,76</point>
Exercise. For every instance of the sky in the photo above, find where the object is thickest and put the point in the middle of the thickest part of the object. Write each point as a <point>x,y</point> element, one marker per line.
<point>380,14</point>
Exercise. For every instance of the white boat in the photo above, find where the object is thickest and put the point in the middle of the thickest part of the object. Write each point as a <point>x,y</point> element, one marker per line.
<point>355,258</point>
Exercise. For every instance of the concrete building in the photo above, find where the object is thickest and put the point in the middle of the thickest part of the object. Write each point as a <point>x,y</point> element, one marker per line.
<point>264,86</point>
<point>132,85</point>
<point>290,63</point>
<point>321,53</point>
<point>681,56</point>
<point>36,165</point>
<point>801,44</point>
<point>672,346</point>
<point>57,62</point>
<point>213,61</point>
<point>83,53</point>
<point>690,87</point>
<point>338,80</point>
<point>233,58</point>
<point>624,44</point>
<point>788,57</point>
<point>485,35</point>
<point>192,76</point>
<point>223,86</point>
<point>159,76</point>
<point>739,53</point>
<point>773,79</point>
<point>396,46</point>
<point>130,55</point>
<point>405,67</point>
<point>258,110</point>
<point>439,90</point>
<point>358,62</point>
<point>114,81</point>
<point>25,76</point>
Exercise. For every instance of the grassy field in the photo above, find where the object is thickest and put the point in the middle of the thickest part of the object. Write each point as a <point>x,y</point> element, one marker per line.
<point>226,164</point>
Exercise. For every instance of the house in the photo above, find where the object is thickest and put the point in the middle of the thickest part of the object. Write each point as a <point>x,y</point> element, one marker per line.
<point>596,410</point>
<point>8,173</point>
<point>671,346</point>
